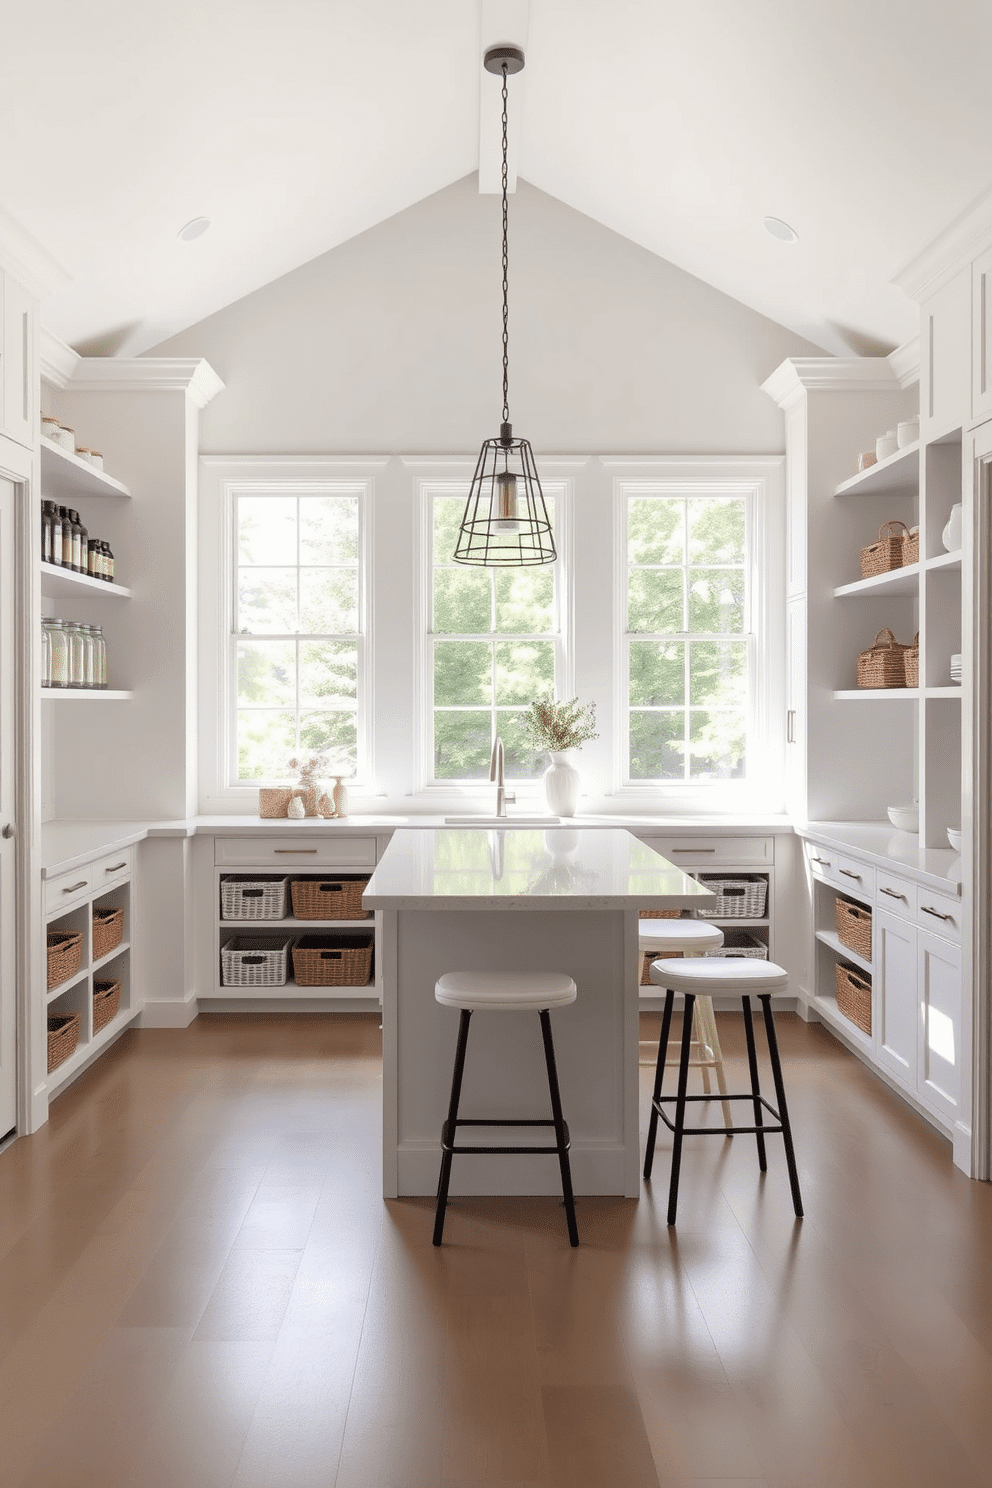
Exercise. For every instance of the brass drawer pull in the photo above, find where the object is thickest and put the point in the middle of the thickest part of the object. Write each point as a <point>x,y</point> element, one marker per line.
<point>892,894</point>
<point>73,887</point>
<point>925,909</point>
<point>114,867</point>
<point>824,862</point>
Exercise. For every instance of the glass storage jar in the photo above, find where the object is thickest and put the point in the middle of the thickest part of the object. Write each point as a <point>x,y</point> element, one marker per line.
<point>58,646</point>
<point>77,654</point>
<point>46,657</point>
<point>100,657</point>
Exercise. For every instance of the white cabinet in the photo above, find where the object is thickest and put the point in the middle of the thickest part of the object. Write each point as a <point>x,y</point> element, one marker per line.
<point>945,376</point>
<point>895,1000</point>
<point>18,362</point>
<point>795,704</point>
<point>938,977</point>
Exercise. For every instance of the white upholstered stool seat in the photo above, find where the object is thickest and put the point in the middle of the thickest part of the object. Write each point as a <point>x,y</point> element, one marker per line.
<point>715,974</point>
<point>505,991</point>
<point>692,937</point>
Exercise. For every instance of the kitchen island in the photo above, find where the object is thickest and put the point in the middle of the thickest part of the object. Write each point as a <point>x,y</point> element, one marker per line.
<point>563,899</point>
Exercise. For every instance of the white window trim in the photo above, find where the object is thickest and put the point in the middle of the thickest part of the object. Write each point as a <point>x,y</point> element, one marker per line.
<point>761,480</point>
<point>441,475</point>
<point>222,477</point>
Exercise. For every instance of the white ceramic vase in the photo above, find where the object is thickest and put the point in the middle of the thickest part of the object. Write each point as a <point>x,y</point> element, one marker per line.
<point>561,785</point>
<point>951,535</point>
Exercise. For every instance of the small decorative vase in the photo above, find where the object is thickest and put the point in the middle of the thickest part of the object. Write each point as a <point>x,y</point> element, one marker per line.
<point>296,810</point>
<point>561,784</point>
<point>325,806</point>
<point>951,535</point>
<point>340,797</point>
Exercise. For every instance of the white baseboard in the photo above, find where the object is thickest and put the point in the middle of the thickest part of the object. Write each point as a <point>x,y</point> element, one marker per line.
<point>168,1013</point>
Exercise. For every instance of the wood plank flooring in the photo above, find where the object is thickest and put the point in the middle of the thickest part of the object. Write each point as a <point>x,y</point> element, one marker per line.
<point>201,1287</point>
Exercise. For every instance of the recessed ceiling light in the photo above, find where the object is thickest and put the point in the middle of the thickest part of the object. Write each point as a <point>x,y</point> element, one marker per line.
<point>194,229</point>
<point>781,230</point>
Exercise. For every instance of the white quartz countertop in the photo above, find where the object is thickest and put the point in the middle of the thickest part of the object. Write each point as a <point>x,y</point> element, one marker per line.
<point>880,843</point>
<point>554,868</point>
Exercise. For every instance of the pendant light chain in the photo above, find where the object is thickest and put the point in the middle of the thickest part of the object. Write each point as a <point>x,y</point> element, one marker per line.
<point>506,281</point>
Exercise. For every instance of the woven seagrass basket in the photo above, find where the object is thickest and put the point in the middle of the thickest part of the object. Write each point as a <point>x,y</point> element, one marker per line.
<point>65,955</point>
<point>853,924</point>
<point>913,662</point>
<point>108,930</point>
<point>887,552</point>
<point>883,664</point>
<point>63,1036</point>
<point>853,990</point>
<point>332,960</point>
<point>106,1003</point>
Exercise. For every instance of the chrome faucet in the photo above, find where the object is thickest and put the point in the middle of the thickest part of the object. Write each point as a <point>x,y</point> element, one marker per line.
<point>496,773</point>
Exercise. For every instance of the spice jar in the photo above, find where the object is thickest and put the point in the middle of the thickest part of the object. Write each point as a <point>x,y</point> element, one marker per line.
<point>96,459</point>
<point>58,646</point>
<point>65,438</point>
<point>77,654</point>
<point>50,426</point>
<point>100,657</point>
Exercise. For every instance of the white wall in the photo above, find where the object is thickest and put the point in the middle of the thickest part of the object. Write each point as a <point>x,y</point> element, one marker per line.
<point>390,343</point>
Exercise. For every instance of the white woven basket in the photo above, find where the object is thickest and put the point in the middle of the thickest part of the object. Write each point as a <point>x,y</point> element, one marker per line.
<point>254,961</point>
<point>244,896</point>
<point>739,898</point>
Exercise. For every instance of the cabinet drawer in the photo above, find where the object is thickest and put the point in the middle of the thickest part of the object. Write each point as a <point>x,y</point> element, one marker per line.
<point>856,878</point>
<point>939,913</point>
<point>822,862</point>
<point>895,894</point>
<point>710,850</point>
<point>68,889</point>
<point>296,852</point>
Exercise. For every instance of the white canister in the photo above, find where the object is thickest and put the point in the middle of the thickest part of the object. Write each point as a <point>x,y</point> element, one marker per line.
<point>951,535</point>
<point>886,444</point>
<point>95,458</point>
<point>50,427</point>
<point>65,438</point>
<point>908,432</point>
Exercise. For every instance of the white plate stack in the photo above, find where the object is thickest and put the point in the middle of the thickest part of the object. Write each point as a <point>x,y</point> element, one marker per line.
<point>956,668</point>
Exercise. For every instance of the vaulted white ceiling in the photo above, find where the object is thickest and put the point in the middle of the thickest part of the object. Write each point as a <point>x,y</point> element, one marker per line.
<point>295,125</point>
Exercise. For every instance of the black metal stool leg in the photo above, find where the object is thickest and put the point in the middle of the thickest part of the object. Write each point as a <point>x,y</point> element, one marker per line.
<point>449,1127</point>
<point>559,1120</point>
<point>752,1060</point>
<point>659,1075</point>
<point>783,1110</point>
<point>688,1005</point>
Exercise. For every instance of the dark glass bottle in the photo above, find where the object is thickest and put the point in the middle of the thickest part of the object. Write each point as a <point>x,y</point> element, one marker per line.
<point>111,563</point>
<point>46,532</point>
<point>56,534</point>
<point>66,537</point>
<point>79,541</point>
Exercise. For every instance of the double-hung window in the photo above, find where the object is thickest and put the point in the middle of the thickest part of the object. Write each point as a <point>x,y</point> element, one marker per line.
<point>689,635</point>
<point>296,658</point>
<point>494,645</point>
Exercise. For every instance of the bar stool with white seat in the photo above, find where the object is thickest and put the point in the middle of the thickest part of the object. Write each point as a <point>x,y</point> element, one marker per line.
<point>504,992</point>
<point>709,977</point>
<point>692,938</point>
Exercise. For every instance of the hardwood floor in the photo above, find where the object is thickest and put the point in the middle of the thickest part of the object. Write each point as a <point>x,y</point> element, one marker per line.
<point>201,1287</point>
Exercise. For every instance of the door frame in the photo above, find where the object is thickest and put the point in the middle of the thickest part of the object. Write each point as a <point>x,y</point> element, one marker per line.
<point>976,735</point>
<point>21,466</point>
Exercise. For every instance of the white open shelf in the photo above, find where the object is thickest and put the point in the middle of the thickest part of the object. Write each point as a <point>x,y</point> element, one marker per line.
<point>84,1052</point>
<point>905,580</point>
<point>944,560</point>
<point>952,690</point>
<point>86,695</point>
<point>832,939</point>
<point>262,927</point>
<point>861,694</point>
<point>834,1018</point>
<point>898,472</point>
<point>56,580</point>
<point>65,476</point>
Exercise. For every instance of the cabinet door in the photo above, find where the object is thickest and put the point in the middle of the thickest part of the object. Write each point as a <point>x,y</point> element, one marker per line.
<point>981,337</point>
<point>939,1055</point>
<point>795,703</point>
<point>945,393</point>
<point>894,958</point>
<point>17,365</point>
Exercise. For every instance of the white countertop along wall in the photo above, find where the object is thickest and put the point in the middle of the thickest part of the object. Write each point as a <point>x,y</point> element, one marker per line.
<point>560,867</point>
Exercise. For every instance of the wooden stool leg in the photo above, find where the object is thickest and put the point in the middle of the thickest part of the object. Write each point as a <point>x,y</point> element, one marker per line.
<point>563,1163</point>
<point>708,1017</point>
<point>673,1187</point>
<point>659,1075</point>
<point>450,1127</point>
<point>783,1110</point>
<point>752,1060</point>
<point>699,1032</point>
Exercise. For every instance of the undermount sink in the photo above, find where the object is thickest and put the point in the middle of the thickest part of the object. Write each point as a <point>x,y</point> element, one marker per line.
<point>502,821</point>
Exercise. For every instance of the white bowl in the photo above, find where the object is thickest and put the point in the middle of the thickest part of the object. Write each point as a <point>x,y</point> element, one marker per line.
<point>954,838</point>
<point>906,818</point>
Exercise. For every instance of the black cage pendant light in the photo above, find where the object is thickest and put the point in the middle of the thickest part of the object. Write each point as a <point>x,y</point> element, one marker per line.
<point>505,523</point>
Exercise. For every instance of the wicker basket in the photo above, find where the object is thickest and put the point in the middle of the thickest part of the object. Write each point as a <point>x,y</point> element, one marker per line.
<point>254,961</point>
<point>853,989</point>
<point>911,547</point>
<point>108,930</point>
<point>661,914</point>
<point>647,957</point>
<point>243,896</point>
<point>330,898</point>
<point>273,801</point>
<point>913,662</point>
<point>887,552</point>
<point>106,1003</point>
<point>63,1036</point>
<point>853,923</point>
<point>884,663</point>
<point>739,898</point>
<point>65,956</point>
<point>330,960</point>
<point>740,945</point>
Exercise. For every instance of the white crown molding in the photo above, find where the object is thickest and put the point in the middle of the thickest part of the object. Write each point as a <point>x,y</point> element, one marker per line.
<point>439,462</point>
<point>58,361</point>
<point>829,375</point>
<point>905,362</point>
<point>295,462</point>
<point>192,376</point>
<point>952,250</point>
<point>28,260</point>
<point>717,463</point>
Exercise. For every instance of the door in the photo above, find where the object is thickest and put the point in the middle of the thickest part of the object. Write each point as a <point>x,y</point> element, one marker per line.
<point>8,905</point>
<point>894,962</point>
<point>939,1056</point>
